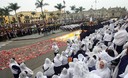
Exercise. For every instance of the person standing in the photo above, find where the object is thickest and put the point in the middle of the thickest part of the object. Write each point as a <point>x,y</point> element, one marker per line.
<point>55,48</point>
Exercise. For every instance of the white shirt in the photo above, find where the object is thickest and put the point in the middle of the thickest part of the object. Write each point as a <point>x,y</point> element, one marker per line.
<point>55,48</point>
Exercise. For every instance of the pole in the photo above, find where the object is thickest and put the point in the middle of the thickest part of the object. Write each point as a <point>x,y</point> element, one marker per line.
<point>64,12</point>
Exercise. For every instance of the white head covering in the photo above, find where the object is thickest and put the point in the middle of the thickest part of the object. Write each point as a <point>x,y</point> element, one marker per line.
<point>64,73</point>
<point>13,62</point>
<point>40,75</point>
<point>47,63</point>
<point>104,72</point>
<point>48,67</point>
<point>120,37</point>
<point>81,57</point>
<point>64,58</point>
<point>71,69</point>
<point>23,67</point>
<point>23,75</point>
<point>75,60</point>
<point>57,60</point>
<point>105,56</point>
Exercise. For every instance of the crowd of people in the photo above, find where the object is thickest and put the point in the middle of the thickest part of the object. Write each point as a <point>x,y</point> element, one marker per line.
<point>70,27</point>
<point>7,34</point>
<point>102,53</point>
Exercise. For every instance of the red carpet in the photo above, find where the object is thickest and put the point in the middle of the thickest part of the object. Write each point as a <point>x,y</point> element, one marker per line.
<point>27,52</point>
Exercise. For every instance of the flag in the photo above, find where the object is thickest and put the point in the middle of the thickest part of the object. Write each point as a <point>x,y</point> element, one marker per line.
<point>64,1</point>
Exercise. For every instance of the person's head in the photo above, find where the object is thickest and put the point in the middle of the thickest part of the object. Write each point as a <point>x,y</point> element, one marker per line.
<point>110,52</point>
<point>64,71</point>
<point>58,56</point>
<point>39,74</point>
<point>63,53</point>
<point>23,74</point>
<point>101,64</point>
<point>22,66</point>
<point>47,61</point>
<point>54,43</point>
<point>71,65</point>
<point>12,60</point>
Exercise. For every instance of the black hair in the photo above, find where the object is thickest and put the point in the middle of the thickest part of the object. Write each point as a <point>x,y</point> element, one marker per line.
<point>110,52</point>
<point>94,56</point>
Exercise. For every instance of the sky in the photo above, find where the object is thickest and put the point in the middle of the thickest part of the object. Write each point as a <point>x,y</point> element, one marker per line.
<point>29,5</point>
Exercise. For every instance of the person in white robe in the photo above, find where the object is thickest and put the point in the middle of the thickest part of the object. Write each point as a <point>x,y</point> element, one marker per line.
<point>77,73</point>
<point>102,70</point>
<point>28,71</point>
<point>48,68</point>
<point>107,38</point>
<point>71,69</point>
<point>55,48</point>
<point>15,68</point>
<point>57,64</point>
<point>120,39</point>
<point>40,75</point>
<point>92,62</point>
<point>64,59</point>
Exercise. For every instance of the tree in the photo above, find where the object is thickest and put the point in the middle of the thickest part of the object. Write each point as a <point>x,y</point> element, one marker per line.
<point>59,7</point>
<point>7,11</point>
<point>77,10</point>
<point>40,4</point>
<point>81,9</point>
<point>73,8</point>
<point>33,13</point>
<point>14,7</point>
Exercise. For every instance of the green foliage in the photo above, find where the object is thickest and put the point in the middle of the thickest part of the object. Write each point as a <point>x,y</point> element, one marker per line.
<point>14,6</point>
<point>59,6</point>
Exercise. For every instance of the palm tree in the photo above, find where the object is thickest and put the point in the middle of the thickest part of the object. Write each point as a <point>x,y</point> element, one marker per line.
<point>40,4</point>
<point>67,12</point>
<point>81,9</point>
<point>6,12</point>
<point>73,8</point>
<point>59,7</point>
<point>14,7</point>
<point>33,13</point>
<point>77,10</point>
